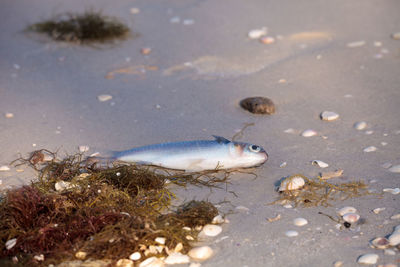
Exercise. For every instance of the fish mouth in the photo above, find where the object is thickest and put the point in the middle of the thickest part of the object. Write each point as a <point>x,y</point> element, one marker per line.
<point>265,154</point>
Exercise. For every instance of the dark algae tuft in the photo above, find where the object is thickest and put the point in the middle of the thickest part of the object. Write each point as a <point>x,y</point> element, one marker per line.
<point>78,210</point>
<point>88,27</point>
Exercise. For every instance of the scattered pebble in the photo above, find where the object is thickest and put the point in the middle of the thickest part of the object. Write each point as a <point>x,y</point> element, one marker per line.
<point>396,36</point>
<point>368,259</point>
<point>395,168</point>
<point>267,40</point>
<point>393,191</point>
<point>395,217</point>
<point>124,263</point>
<point>356,44</point>
<point>300,222</point>
<point>380,243</point>
<point>177,258</point>
<point>4,168</point>
<point>346,209</point>
<point>291,233</point>
<point>145,50</point>
<point>283,164</point>
<point>258,105</point>
<point>361,125</point>
<point>135,256</point>
<point>9,115</point>
<point>369,149</point>
<point>152,262</point>
<point>329,116</point>
<point>378,210</point>
<point>103,98</point>
<point>309,133</point>
<point>387,165</point>
<point>210,230</point>
<point>160,240</point>
<point>200,253</point>
<point>11,243</point>
<point>257,33</point>
<point>292,183</point>
<point>329,175</point>
<point>134,10</point>
<point>351,217</point>
<point>320,163</point>
<point>83,149</point>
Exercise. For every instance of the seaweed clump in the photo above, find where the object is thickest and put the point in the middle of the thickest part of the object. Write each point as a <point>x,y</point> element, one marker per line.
<point>80,210</point>
<point>318,192</point>
<point>91,26</point>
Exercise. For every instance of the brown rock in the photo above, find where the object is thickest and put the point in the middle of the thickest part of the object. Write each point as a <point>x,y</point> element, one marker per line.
<point>258,105</point>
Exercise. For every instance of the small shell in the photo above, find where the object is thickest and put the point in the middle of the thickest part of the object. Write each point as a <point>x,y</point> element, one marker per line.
<point>39,257</point>
<point>257,33</point>
<point>178,247</point>
<point>124,263</point>
<point>160,240</point>
<point>361,125</point>
<point>394,238</point>
<point>200,253</point>
<point>395,169</point>
<point>329,116</point>
<point>210,230</point>
<point>393,191</point>
<point>369,149</point>
<point>395,217</point>
<point>345,210</point>
<point>329,175</point>
<point>380,243</point>
<point>80,255</point>
<point>291,233</point>
<point>309,133</point>
<point>378,210</point>
<point>218,219</point>
<point>152,262</point>
<point>135,256</point>
<point>292,183</point>
<point>300,221</point>
<point>11,243</point>
<point>351,217</point>
<point>177,258</point>
<point>368,259</point>
<point>320,163</point>
<point>103,98</point>
<point>4,168</point>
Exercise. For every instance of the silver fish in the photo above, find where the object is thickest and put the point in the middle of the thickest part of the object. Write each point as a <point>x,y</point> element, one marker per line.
<point>197,155</point>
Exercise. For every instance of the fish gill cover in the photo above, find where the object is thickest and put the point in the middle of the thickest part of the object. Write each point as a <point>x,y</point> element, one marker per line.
<point>78,209</point>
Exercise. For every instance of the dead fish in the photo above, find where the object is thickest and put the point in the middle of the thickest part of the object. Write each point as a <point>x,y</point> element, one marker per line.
<point>197,155</point>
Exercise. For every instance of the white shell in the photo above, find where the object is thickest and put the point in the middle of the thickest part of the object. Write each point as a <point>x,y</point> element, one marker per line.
<point>210,230</point>
<point>346,209</point>
<point>351,217</point>
<point>39,257</point>
<point>11,243</point>
<point>320,163</point>
<point>103,98</point>
<point>200,253</point>
<point>257,33</point>
<point>394,238</point>
<point>378,210</point>
<point>4,168</point>
<point>124,263</point>
<point>380,243</point>
<point>369,149</point>
<point>300,221</point>
<point>177,258</point>
<point>160,240</point>
<point>393,191</point>
<point>83,149</point>
<point>63,185</point>
<point>135,256</point>
<point>292,183</point>
<point>356,44</point>
<point>291,233</point>
<point>361,125</point>
<point>309,133</point>
<point>152,262</point>
<point>368,258</point>
<point>218,219</point>
<point>329,116</point>
<point>395,217</point>
<point>395,168</point>
<point>390,252</point>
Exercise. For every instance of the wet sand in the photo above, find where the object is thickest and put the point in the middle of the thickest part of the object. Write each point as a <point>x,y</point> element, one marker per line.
<point>189,87</point>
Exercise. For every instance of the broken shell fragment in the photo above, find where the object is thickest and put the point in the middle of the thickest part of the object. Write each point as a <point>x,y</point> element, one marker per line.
<point>380,243</point>
<point>11,243</point>
<point>177,258</point>
<point>210,230</point>
<point>152,262</point>
<point>200,253</point>
<point>370,149</point>
<point>218,219</point>
<point>368,259</point>
<point>135,256</point>
<point>291,233</point>
<point>309,133</point>
<point>329,116</point>
<point>320,163</point>
<point>292,183</point>
<point>346,209</point>
<point>160,240</point>
<point>395,169</point>
<point>300,221</point>
<point>351,217</point>
<point>393,191</point>
<point>257,33</point>
<point>394,238</point>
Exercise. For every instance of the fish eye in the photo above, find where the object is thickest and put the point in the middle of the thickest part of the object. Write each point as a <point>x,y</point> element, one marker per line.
<point>254,148</point>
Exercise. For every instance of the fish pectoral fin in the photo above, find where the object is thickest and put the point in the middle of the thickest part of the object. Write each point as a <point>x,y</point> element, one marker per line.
<point>221,139</point>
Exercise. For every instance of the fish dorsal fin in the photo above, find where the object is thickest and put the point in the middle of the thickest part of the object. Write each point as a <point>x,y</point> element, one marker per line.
<point>221,139</point>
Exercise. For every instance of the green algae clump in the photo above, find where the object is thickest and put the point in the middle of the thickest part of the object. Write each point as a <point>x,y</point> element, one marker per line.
<point>91,26</point>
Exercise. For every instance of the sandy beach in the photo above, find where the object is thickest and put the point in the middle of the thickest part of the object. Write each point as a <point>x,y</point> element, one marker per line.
<point>338,56</point>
